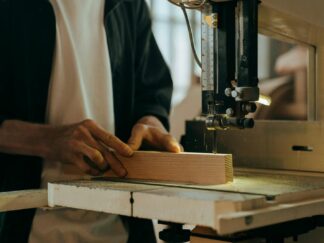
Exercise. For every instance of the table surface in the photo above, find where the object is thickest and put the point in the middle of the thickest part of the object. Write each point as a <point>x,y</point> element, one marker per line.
<point>251,193</point>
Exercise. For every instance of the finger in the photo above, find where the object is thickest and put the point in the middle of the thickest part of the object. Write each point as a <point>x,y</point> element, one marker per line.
<point>116,166</point>
<point>86,168</point>
<point>138,134</point>
<point>163,140</point>
<point>110,140</point>
<point>170,144</point>
<point>94,155</point>
<point>90,141</point>
<point>181,148</point>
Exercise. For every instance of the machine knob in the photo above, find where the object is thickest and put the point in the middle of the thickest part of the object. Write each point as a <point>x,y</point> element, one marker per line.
<point>235,94</point>
<point>228,92</point>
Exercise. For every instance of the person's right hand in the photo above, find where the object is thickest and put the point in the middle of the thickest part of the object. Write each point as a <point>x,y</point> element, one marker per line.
<point>88,146</point>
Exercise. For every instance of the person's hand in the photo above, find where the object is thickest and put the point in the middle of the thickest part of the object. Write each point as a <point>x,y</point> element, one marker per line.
<point>87,145</point>
<point>150,132</point>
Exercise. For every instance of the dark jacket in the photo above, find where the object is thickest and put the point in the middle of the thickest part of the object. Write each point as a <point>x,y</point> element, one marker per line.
<point>141,82</point>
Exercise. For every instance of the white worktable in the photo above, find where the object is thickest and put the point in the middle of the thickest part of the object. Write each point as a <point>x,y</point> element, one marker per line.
<point>254,199</point>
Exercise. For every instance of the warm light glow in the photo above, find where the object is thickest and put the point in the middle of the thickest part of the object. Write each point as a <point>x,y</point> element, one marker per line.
<point>264,100</point>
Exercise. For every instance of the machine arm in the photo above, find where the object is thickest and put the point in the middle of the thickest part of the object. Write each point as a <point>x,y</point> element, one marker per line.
<point>229,60</point>
<point>229,63</point>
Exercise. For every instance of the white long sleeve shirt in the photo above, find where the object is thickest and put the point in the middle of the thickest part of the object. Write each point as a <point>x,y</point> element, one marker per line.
<point>80,88</point>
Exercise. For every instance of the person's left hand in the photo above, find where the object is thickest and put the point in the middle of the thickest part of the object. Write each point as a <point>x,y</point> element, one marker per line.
<point>150,132</point>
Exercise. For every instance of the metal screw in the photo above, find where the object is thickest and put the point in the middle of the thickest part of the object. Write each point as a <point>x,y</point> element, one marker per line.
<point>228,92</point>
<point>234,94</point>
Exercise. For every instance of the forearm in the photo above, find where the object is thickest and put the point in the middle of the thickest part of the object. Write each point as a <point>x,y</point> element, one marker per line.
<point>68,144</point>
<point>18,137</point>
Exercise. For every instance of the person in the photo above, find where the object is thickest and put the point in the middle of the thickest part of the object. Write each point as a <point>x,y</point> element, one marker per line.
<point>78,79</point>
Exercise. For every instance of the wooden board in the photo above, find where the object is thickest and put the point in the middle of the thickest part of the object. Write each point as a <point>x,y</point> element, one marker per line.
<point>190,168</point>
<point>16,200</point>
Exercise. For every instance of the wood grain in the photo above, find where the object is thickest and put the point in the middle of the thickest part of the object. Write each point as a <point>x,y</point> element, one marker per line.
<point>189,168</point>
<point>17,200</point>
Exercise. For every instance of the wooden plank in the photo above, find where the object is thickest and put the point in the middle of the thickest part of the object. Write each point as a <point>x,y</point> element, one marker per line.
<point>25,199</point>
<point>100,196</point>
<point>190,168</point>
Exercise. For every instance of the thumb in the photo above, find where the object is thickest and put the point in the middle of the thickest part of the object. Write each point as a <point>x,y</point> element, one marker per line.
<point>137,136</point>
<point>171,144</point>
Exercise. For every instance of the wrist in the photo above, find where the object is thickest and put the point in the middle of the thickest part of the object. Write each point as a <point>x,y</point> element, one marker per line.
<point>44,137</point>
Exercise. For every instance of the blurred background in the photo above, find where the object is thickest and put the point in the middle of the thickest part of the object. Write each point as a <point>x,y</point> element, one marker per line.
<point>170,30</point>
